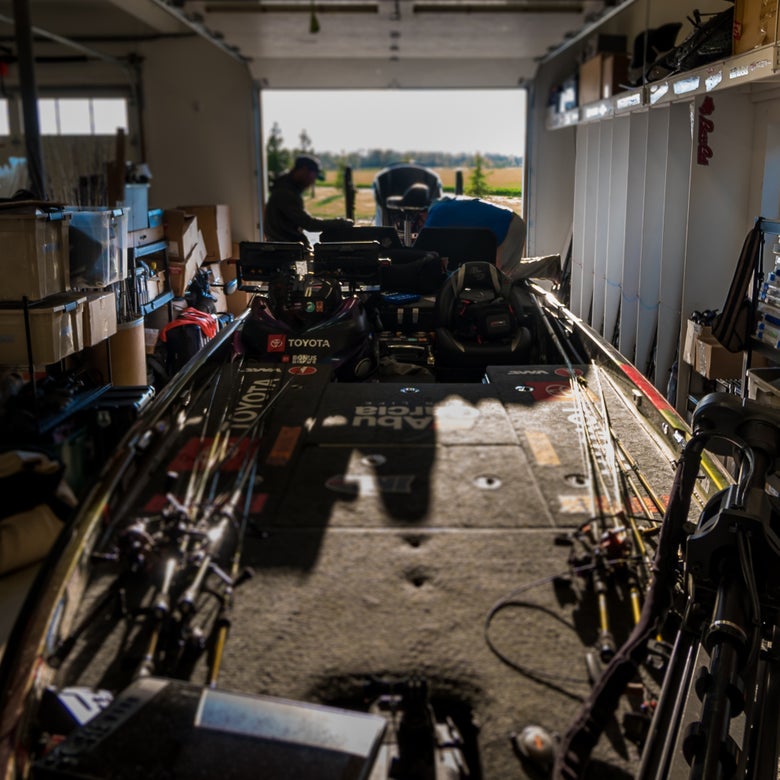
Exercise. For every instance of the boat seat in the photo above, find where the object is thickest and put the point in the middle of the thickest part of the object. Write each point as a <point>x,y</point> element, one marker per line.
<point>480,320</point>
<point>458,245</point>
<point>386,235</point>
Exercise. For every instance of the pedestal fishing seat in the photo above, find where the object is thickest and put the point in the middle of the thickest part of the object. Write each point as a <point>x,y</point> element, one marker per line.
<point>480,320</point>
<point>403,194</point>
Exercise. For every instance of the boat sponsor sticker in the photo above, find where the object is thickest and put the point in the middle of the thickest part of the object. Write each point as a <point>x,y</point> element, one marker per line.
<point>544,384</point>
<point>450,415</point>
<point>277,342</point>
<point>370,484</point>
<point>542,448</point>
<point>253,401</point>
<point>284,446</point>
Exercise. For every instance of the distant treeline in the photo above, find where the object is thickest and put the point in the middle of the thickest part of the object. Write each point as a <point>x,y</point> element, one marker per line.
<point>279,156</point>
<point>380,158</point>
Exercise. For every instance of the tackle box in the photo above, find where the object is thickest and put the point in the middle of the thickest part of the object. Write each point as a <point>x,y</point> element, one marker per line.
<point>34,255</point>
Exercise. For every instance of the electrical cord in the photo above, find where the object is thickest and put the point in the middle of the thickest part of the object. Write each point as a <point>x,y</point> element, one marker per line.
<point>550,680</point>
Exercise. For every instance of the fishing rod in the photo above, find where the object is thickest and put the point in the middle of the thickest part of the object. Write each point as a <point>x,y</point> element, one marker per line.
<point>206,536</point>
<point>601,543</point>
<point>223,620</point>
<point>594,534</point>
<point>625,487</point>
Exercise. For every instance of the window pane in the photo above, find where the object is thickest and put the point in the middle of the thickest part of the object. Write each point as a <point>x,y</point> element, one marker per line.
<point>74,116</point>
<point>109,114</point>
<point>5,128</point>
<point>47,116</point>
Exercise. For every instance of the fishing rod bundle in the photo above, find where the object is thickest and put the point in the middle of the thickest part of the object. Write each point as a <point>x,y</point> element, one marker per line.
<point>624,507</point>
<point>180,565</point>
<point>610,552</point>
<point>717,714</point>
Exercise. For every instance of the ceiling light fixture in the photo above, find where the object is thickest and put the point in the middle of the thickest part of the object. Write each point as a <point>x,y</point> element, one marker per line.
<point>302,6</point>
<point>497,6</point>
<point>314,24</point>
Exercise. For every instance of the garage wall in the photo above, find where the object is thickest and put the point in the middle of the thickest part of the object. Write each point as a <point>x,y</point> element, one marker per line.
<point>198,118</point>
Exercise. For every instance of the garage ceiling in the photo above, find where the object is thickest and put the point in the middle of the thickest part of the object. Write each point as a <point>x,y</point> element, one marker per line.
<point>329,43</point>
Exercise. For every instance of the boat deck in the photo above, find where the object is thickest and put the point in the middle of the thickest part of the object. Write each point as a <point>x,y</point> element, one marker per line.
<point>410,531</point>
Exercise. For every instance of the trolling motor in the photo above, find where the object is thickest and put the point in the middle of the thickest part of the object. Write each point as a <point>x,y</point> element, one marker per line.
<point>718,714</point>
<point>417,745</point>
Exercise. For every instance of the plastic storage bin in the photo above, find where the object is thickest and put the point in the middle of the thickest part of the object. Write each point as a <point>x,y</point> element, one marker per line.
<point>98,246</point>
<point>56,330</point>
<point>137,201</point>
<point>34,260</point>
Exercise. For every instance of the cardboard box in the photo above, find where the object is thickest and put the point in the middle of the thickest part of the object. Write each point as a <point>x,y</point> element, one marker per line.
<point>145,237</point>
<point>181,273</point>
<point>755,24</point>
<point>216,278</point>
<point>590,80</point>
<point>150,337</point>
<point>239,301</point>
<point>764,385</point>
<point>693,331</point>
<point>155,285</point>
<point>99,317</point>
<point>214,223</point>
<point>604,43</point>
<point>181,232</point>
<point>614,74</point>
<point>34,261</point>
<point>714,361</point>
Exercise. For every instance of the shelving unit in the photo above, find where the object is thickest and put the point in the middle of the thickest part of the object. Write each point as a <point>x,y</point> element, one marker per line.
<point>158,250</point>
<point>771,354</point>
<point>757,66</point>
<point>664,182</point>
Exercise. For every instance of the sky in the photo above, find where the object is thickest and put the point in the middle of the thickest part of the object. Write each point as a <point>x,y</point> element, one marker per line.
<point>484,121</point>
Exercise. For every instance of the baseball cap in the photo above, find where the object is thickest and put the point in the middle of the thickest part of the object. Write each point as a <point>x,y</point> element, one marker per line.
<point>308,161</point>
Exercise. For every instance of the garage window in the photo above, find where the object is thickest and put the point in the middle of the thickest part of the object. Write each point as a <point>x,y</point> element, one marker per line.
<point>82,116</point>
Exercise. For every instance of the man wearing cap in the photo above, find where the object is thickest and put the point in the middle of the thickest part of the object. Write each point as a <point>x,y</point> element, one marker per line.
<point>285,216</point>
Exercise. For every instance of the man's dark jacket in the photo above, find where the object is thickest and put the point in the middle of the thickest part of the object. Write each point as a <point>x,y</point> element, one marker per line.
<point>285,216</point>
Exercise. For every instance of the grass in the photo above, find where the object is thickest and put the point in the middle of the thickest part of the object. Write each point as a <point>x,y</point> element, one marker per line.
<point>328,201</point>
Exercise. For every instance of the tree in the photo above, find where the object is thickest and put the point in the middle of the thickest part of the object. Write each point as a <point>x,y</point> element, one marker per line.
<point>277,157</point>
<point>477,186</point>
<point>305,142</point>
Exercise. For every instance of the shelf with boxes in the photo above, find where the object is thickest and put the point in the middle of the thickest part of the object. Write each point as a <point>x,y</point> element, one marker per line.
<point>77,278</point>
<point>757,66</point>
<point>763,380</point>
<point>148,260</point>
<point>751,325</point>
<point>199,237</point>
<point>58,265</point>
<point>199,250</point>
<point>605,86</point>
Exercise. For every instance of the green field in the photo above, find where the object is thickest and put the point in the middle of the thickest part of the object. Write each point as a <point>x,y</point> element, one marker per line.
<point>327,201</point>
